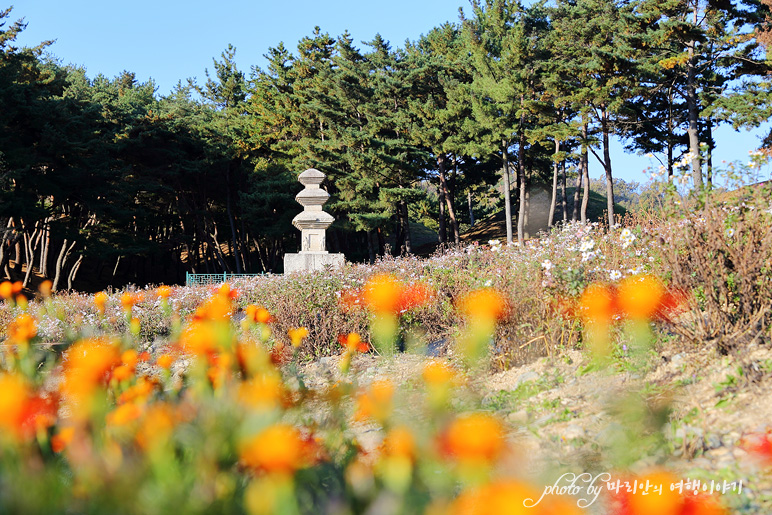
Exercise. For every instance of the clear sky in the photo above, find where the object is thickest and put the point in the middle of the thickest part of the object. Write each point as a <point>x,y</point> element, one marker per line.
<point>172,40</point>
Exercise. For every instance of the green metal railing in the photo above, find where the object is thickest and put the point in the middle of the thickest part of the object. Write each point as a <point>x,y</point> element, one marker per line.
<point>203,279</point>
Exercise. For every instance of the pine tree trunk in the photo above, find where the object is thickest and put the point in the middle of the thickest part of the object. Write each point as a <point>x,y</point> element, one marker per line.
<point>443,234</point>
<point>521,212</point>
<point>469,204</point>
<point>60,262</point>
<point>709,157</point>
<point>554,200</point>
<point>693,110</point>
<point>73,272</point>
<point>564,193</point>
<point>5,254</point>
<point>370,246</point>
<point>406,227</point>
<point>577,195</point>
<point>234,241</point>
<point>585,164</point>
<point>507,203</point>
<point>607,166</point>
<point>447,194</point>
<point>44,250</point>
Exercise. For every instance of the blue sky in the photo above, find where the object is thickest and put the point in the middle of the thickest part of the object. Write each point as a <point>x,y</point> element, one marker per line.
<point>172,40</point>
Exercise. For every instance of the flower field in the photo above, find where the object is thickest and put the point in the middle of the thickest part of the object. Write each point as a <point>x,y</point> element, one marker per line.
<point>211,400</point>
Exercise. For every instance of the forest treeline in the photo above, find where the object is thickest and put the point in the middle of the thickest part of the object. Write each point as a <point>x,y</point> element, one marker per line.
<point>106,175</point>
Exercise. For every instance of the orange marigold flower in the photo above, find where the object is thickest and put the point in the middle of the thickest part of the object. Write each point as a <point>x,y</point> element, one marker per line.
<point>163,291</point>
<point>156,426</point>
<point>6,290</point>
<point>225,291</point>
<point>130,358</point>
<point>438,373</point>
<point>264,392</point>
<point>759,445</point>
<point>128,300</point>
<point>258,314</point>
<point>382,293</point>
<point>484,304</point>
<point>122,372</point>
<point>200,338</point>
<point>23,328</point>
<point>62,439</point>
<point>669,502</point>
<point>353,343</point>
<point>14,393</point>
<point>413,296</point>
<point>165,361</point>
<point>598,303</point>
<point>278,449</point>
<point>503,496</point>
<point>351,299</point>
<point>100,300</point>
<point>39,414</point>
<point>87,364</point>
<point>400,442</point>
<point>640,296</point>
<point>297,335</point>
<point>123,415</point>
<point>144,356</point>
<point>45,288</point>
<point>376,402</point>
<point>674,302</point>
<point>217,307</point>
<point>474,438</point>
<point>138,392</point>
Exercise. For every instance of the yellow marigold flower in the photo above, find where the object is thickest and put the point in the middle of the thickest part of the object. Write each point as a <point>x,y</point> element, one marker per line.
<point>23,328</point>
<point>100,300</point>
<point>297,335</point>
<point>474,438</point>
<point>123,415</point>
<point>264,392</point>
<point>484,304</point>
<point>376,402</point>
<point>504,496</point>
<point>640,296</point>
<point>382,293</point>
<point>278,449</point>
<point>165,361</point>
<point>163,291</point>
<point>14,393</point>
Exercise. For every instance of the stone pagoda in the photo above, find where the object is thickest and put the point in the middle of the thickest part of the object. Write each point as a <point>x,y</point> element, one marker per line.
<point>312,223</point>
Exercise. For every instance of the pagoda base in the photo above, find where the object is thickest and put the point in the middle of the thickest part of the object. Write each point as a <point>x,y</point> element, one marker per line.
<point>311,261</point>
